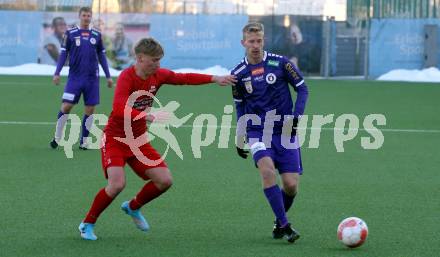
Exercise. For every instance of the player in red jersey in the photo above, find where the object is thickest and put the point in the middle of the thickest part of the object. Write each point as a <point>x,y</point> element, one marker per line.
<point>144,78</point>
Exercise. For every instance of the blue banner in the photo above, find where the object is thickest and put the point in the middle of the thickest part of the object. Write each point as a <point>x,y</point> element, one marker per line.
<point>190,41</point>
<point>199,41</point>
<point>397,44</point>
<point>19,37</point>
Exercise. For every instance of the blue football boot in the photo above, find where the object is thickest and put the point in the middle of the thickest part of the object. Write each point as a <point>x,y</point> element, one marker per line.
<point>139,220</point>
<point>86,231</point>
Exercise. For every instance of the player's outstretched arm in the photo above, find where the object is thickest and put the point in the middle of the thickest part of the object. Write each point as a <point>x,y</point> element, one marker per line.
<point>172,78</point>
<point>227,80</point>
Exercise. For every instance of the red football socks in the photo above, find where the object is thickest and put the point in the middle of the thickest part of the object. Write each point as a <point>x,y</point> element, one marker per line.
<point>102,201</point>
<point>147,193</point>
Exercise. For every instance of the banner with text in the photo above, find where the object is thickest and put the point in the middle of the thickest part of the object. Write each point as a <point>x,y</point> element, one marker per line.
<point>397,44</point>
<point>190,41</point>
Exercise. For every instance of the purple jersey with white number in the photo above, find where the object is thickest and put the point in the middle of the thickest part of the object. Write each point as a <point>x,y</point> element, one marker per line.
<point>83,46</point>
<point>85,50</point>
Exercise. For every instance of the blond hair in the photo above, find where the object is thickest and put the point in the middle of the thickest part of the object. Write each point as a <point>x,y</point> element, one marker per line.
<point>253,27</point>
<point>149,46</point>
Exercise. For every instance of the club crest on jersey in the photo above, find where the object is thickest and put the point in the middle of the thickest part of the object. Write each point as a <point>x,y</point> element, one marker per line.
<point>257,71</point>
<point>248,86</point>
<point>92,40</point>
<point>271,78</point>
<point>77,41</point>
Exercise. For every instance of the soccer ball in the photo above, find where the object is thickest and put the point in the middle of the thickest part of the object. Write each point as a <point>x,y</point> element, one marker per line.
<point>352,232</point>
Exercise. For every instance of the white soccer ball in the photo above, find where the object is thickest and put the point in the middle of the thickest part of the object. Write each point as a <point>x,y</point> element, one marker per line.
<point>352,232</point>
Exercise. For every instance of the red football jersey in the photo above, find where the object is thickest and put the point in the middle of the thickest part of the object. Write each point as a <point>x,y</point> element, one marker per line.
<point>128,83</point>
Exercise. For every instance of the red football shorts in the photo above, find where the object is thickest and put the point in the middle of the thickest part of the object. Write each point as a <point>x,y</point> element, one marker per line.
<point>116,154</point>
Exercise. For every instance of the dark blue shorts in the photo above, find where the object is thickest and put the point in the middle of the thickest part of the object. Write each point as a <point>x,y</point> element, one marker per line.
<point>88,87</point>
<point>283,150</point>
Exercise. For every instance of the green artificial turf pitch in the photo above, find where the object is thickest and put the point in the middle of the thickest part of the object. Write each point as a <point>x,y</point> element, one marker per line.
<point>216,206</point>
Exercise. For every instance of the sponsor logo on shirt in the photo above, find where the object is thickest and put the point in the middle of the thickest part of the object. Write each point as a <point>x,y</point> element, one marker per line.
<point>273,63</point>
<point>95,33</point>
<point>291,70</point>
<point>93,41</point>
<point>142,104</point>
<point>257,71</point>
<point>85,34</point>
<point>271,78</point>
<point>248,86</point>
<point>259,78</point>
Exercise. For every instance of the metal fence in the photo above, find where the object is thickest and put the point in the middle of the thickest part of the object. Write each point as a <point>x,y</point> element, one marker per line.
<point>252,7</point>
<point>364,9</point>
<point>345,49</point>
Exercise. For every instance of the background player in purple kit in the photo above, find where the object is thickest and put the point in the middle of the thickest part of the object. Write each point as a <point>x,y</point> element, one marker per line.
<point>85,49</point>
<point>262,92</point>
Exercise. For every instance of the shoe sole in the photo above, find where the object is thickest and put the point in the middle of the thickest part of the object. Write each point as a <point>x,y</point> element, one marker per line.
<point>81,235</point>
<point>85,238</point>
<point>53,146</point>
<point>293,239</point>
<point>89,239</point>
<point>277,236</point>
<point>125,210</point>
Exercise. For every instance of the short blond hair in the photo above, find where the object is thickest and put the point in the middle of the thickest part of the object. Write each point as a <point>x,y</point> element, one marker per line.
<point>253,27</point>
<point>149,46</point>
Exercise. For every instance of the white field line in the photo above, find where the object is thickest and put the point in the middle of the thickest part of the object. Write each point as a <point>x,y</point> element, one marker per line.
<point>39,123</point>
<point>49,82</point>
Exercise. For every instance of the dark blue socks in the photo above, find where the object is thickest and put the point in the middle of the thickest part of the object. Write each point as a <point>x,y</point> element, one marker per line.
<point>275,199</point>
